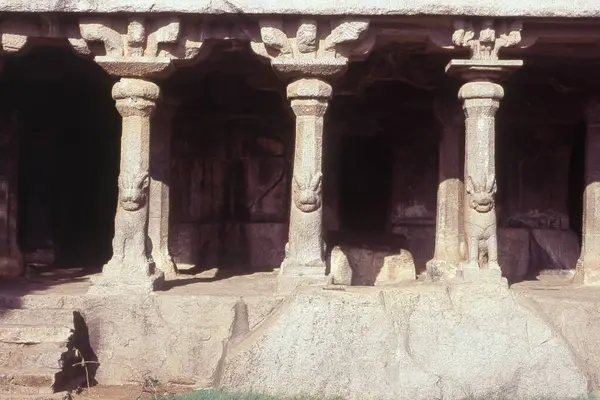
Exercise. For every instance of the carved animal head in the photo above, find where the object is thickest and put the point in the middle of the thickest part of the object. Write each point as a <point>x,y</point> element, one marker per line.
<point>482,196</point>
<point>307,193</point>
<point>133,190</point>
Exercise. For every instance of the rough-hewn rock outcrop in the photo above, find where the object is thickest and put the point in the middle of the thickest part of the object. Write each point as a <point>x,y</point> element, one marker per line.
<point>407,342</point>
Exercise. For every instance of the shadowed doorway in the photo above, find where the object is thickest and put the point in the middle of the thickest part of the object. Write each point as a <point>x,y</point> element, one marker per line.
<point>366,183</point>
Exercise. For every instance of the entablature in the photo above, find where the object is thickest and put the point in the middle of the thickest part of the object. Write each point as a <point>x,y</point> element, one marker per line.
<point>148,44</point>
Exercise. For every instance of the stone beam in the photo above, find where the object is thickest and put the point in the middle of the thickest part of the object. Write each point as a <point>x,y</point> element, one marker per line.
<point>481,95</point>
<point>506,8</point>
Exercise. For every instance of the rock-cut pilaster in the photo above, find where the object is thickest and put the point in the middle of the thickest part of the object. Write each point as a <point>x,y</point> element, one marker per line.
<point>449,229</point>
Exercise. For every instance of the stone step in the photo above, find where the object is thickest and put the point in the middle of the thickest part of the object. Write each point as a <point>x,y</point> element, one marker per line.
<point>30,316</point>
<point>29,334</point>
<point>19,396</point>
<point>33,381</point>
<point>22,357</point>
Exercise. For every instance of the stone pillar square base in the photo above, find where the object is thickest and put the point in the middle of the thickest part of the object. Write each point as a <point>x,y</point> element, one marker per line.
<point>293,276</point>
<point>127,279</point>
<point>483,275</point>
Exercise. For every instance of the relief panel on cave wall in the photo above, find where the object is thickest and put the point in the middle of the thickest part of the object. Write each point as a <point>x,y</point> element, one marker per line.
<point>230,179</point>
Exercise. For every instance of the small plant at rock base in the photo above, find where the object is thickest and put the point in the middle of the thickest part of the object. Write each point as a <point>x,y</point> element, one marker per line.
<point>83,363</point>
<point>152,386</point>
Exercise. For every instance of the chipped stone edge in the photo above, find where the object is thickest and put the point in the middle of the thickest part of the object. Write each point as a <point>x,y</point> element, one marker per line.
<point>509,8</point>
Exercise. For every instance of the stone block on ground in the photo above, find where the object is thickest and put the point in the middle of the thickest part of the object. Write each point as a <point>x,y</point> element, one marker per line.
<point>364,266</point>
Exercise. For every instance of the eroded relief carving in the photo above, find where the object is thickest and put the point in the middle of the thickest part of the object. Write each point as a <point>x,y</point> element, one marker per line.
<point>307,191</point>
<point>306,37</point>
<point>480,224</point>
<point>130,239</point>
<point>133,190</point>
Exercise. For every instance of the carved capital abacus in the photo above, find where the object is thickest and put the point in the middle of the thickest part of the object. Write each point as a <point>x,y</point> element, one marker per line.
<point>311,47</point>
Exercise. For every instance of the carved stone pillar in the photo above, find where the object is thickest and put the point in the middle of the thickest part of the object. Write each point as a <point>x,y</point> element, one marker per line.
<point>304,255</point>
<point>131,268</point>
<point>144,51</point>
<point>588,265</point>
<point>309,54</point>
<point>449,232</point>
<point>481,101</point>
<point>160,160</point>
<point>481,97</point>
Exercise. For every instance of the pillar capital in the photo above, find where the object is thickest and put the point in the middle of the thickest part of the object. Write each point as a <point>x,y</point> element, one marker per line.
<point>137,46</point>
<point>309,89</point>
<point>135,97</point>
<point>484,39</point>
<point>309,97</point>
<point>481,90</point>
<point>305,47</point>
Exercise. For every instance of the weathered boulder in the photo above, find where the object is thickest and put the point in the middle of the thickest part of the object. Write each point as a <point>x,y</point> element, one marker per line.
<point>575,313</point>
<point>419,341</point>
<point>177,339</point>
